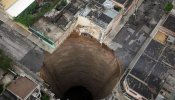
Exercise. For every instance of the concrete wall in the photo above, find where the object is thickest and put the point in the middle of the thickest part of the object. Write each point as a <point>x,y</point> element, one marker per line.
<point>89,27</point>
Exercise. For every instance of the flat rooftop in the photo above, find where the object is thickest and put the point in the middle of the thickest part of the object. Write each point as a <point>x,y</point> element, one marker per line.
<point>7,3</point>
<point>170,23</point>
<point>161,37</point>
<point>143,66</point>
<point>138,86</point>
<point>151,69</point>
<point>67,14</point>
<point>100,12</point>
<point>22,87</point>
<point>157,75</point>
<point>154,49</point>
<point>152,79</point>
<point>168,56</point>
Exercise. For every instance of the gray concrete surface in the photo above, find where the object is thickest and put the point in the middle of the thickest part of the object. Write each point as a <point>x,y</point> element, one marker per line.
<point>20,49</point>
<point>33,59</point>
<point>138,29</point>
<point>13,43</point>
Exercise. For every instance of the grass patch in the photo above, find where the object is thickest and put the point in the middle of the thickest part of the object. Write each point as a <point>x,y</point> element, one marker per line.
<point>5,61</point>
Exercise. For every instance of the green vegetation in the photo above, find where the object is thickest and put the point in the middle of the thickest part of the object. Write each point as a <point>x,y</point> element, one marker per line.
<point>117,8</point>
<point>44,96</point>
<point>5,61</point>
<point>32,13</point>
<point>36,11</point>
<point>168,7</point>
<point>63,2</point>
<point>1,88</point>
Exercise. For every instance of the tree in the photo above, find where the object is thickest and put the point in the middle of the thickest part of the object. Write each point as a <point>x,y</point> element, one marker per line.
<point>5,61</point>
<point>168,7</point>
<point>64,2</point>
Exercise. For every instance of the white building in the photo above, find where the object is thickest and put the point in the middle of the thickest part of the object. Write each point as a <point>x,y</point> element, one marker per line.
<point>14,7</point>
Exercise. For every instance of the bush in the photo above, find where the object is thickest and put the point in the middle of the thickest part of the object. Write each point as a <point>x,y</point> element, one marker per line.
<point>44,96</point>
<point>26,17</point>
<point>168,7</point>
<point>5,61</point>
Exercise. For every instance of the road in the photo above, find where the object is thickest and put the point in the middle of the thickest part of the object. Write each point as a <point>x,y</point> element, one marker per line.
<point>20,49</point>
<point>13,43</point>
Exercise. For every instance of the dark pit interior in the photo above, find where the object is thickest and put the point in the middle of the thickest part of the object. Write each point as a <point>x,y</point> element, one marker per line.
<point>77,93</point>
<point>81,69</point>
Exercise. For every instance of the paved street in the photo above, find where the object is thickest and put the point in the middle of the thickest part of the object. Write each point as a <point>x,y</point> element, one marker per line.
<point>20,48</point>
<point>33,59</point>
<point>13,43</point>
<point>12,24</point>
<point>23,31</point>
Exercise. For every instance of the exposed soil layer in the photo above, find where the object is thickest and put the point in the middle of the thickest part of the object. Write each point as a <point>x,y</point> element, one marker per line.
<point>81,62</point>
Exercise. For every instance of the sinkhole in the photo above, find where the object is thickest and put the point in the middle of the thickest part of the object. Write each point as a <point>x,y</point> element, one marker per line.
<point>81,69</point>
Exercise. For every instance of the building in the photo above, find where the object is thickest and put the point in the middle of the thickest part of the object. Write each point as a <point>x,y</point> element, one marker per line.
<point>5,4</point>
<point>152,77</point>
<point>169,25</point>
<point>14,7</point>
<point>94,17</point>
<point>167,28</point>
<point>98,19</point>
<point>55,26</point>
<point>24,89</point>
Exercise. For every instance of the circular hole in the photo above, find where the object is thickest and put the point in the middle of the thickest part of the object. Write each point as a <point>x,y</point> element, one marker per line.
<point>82,62</point>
